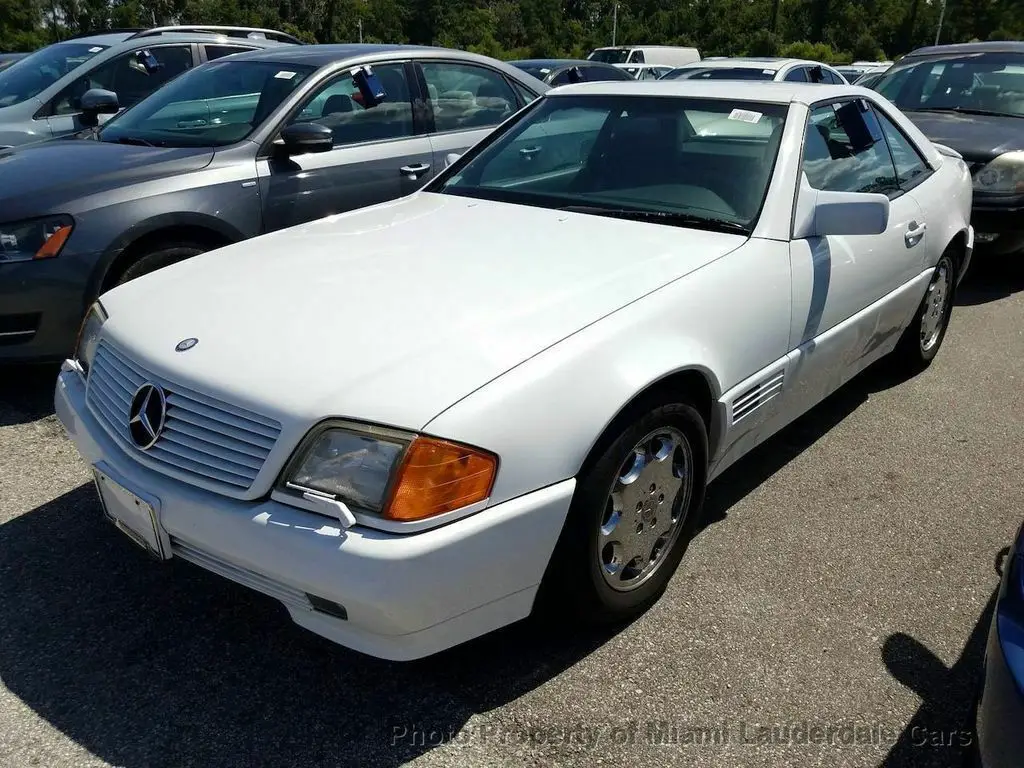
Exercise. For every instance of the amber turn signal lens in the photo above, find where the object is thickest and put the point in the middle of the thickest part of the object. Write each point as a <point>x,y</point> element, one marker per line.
<point>437,477</point>
<point>54,243</point>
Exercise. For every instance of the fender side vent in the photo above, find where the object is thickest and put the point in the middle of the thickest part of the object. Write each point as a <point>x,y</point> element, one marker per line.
<point>759,394</point>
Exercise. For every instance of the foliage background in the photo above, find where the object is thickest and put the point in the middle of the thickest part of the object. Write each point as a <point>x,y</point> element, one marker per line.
<point>832,30</point>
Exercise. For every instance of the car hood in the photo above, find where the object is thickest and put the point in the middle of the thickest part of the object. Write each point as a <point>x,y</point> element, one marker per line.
<point>37,177</point>
<point>393,313</point>
<point>979,138</point>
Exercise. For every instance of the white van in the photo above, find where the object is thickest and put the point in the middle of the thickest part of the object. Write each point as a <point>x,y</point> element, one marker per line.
<point>668,55</point>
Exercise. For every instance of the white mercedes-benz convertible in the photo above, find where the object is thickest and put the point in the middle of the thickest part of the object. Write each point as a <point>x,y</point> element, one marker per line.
<point>416,422</point>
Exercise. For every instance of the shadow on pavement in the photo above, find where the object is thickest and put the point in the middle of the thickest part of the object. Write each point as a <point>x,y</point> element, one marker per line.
<point>941,733</point>
<point>26,393</point>
<point>148,664</point>
<point>990,278</point>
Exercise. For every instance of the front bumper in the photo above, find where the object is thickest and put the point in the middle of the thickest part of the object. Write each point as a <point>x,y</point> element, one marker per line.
<point>41,308</point>
<point>1001,703</point>
<point>405,596</point>
<point>999,223</point>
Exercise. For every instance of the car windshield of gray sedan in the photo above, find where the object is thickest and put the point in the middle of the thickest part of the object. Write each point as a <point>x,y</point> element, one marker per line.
<point>977,83</point>
<point>720,73</point>
<point>703,163</point>
<point>210,106</point>
<point>32,75</point>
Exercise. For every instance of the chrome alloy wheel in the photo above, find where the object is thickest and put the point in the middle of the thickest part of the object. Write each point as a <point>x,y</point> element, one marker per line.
<point>936,303</point>
<point>646,508</point>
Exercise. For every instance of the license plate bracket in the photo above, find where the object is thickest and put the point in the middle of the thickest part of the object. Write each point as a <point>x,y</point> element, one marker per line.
<point>132,513</point>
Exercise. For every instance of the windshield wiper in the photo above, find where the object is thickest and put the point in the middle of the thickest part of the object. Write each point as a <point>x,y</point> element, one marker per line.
<point>663,217</point>
<point>134,141</point>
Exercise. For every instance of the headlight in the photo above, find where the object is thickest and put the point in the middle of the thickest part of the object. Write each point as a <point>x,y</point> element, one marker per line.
<point>89,335</point>
<point>34,238</point>
<point>1004,175</point>
<point>389,474</point>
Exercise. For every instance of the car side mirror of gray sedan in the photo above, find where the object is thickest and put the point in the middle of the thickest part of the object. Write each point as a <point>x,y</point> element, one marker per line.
<point>303,138</point>
<point>97,101</point>
<point>451,159</point>
<point>820,213</point>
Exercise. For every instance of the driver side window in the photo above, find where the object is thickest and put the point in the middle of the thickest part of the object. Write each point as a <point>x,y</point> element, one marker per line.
<point>127,77</point>
<point>833,164</point>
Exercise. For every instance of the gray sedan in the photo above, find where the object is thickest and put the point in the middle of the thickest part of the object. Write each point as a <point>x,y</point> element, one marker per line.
<point>244,145</point>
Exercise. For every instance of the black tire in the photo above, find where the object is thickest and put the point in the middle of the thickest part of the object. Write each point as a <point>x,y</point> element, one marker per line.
<point>157,258</point>
<point>916,349</point>
<point>574,586</point>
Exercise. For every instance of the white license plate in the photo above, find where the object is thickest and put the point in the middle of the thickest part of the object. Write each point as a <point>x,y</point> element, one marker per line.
<point>135,516</point>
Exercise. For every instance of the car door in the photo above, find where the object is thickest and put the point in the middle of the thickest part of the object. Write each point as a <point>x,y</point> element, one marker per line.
<point>126,76</point>
<point>464,103</point>
<point>380,153</point>
<point>847,302</point>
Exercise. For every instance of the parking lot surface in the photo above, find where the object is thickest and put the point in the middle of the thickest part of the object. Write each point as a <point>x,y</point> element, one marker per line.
<point>832,612</point>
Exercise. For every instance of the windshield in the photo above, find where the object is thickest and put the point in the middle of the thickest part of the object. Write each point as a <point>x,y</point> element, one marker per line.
<point>610,55</point>
<point>985,83</point>
<point>720,73</point>
<point>33,74</point>
<point>210,106</point>
<point>702,163</point>
<point>536,71</point>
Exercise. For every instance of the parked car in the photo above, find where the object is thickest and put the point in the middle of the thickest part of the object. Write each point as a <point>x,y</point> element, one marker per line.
<point>247,144</point>
<point>752,68</point>
<point>869,80</point>
<point>860,68</point>
<point>41,94</point>
<point>645,71</point>
<point>411,422</point>
<point>1000,710</point>
<point>669,55</point>
<point>971,97</point>
<point>7,59</point>
<point>556,72</point>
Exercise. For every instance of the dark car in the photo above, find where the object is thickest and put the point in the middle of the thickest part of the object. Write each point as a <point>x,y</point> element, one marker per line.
<point>556,72</point>
<point>970,97</point>
<point>1000,742</point>
<point>231,149</point>
<point>7,59</point>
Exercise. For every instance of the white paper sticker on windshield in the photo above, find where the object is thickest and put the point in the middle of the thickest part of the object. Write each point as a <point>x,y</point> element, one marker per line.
<point>768,72</point>
<point>96,49</point>
<point>746,115</point>
<point>284,75</point>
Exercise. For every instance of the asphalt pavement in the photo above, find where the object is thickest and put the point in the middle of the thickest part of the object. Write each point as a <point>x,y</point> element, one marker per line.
<point>832,612</point>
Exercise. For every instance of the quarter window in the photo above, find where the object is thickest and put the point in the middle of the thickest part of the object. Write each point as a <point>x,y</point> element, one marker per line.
<point>219,51</point>
<point>464,96</point>
<point>832,164</point>
<point>127,77</point>
<point>339,105</point>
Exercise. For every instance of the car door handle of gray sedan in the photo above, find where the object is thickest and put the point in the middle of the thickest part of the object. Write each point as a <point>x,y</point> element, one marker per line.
<point>413,171</point>
<point>914,233</point>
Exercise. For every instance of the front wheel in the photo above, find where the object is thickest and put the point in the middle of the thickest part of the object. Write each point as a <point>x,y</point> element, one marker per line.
<point>921,340</point>
<point>631,518</point>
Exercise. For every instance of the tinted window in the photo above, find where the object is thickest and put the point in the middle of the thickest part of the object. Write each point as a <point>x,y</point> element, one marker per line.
<point>339,105</point>
<point>33,74</point>
<point>797,75</point>
<point>218,104</point>
<point>720,73</point>
<point>910,166</point>
<point>220,51</point>
<point>831,164</point>
<point>127,77</point>
<point>980,82</point>
<point>610,55</point>
<point>632,154</point>
<point>464,96</point>
<point>605,73</point>
<point>636,57</point>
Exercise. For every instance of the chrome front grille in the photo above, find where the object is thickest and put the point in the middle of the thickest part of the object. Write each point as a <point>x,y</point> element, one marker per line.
<point>205,442</point>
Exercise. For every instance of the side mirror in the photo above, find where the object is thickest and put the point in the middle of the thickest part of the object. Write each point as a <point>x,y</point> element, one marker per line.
<point>304,138</point>
<point>451,159</point>
<point>97,101</point>
<point>820,214</point>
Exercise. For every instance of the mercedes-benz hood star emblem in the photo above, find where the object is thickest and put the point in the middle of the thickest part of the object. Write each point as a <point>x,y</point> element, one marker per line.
<point>147,415</point>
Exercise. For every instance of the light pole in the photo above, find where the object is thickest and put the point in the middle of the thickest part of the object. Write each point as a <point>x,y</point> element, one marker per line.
<point>360,31</point>
<point>615,22</point>
<point>942,16</point>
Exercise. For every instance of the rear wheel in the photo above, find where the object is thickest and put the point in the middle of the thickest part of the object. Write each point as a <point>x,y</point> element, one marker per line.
<point>159,257</point>
<point>632,516</point>
<point>921,340</point>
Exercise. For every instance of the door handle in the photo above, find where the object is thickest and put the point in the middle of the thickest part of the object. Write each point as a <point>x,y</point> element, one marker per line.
<point>528,152</point>
<point>914,233</point>
<point>191,123</point>
<point>413,171</point>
